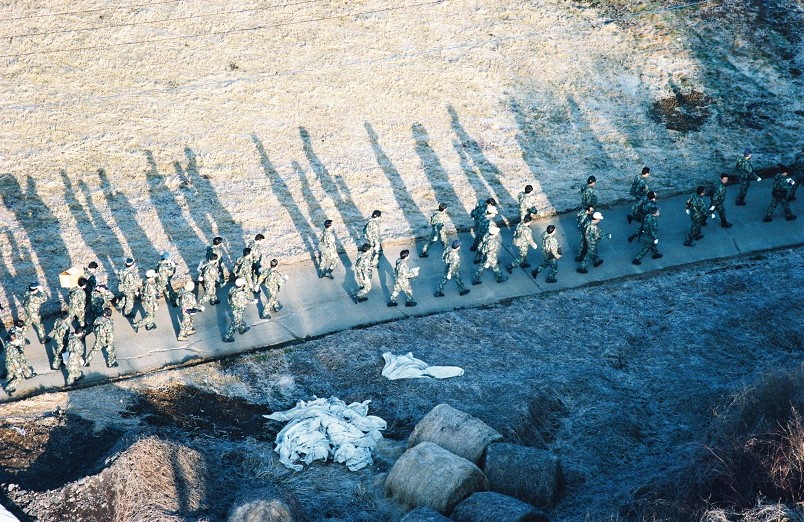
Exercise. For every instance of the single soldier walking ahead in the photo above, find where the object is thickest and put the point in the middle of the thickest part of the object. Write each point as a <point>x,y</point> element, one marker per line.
<point>402,276</point>
<point>219,248</point>
<point>744,171</point>
<point>209,277</point>
<point>272,280</point>
<point>584,218</point>
<point>639,188</point>
<point>551,252</point>
<point>527,203</point>
<point>452,269</point>
<point>327,252</point>
<point>588,196</point>
<point>77,302</point>
<point>128,285</point>
<point>780,194</point>
<point>150,291</point>
<point>16,364</point>
<point>439,232</point>
<point>371,231</point>
<point>31,306</point>
<point>74,358</point>
<point>165,270</point>
<point>189,307</point>
<point>489,256</point>
<point>696,209</point>
<point>523,241</point>
<point>593,235</point>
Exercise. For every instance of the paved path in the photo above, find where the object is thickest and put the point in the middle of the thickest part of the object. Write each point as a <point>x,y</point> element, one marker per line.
<point>314,307</point>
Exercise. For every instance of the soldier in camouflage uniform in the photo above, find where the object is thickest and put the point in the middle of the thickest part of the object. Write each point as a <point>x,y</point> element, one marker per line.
<point>16,364</point>
<point>217,247</point>
<point>485,225</point>
<point>402,276</point>
<point>100,299</point>
<point>128,284</point>
<point>643,208</point>
<point>363,271</point>
<point>588,196</point>
<point>150,291</point>
<point>523,240</point>
<point>31,306</point>
<point>452,269</point>
<point>75,355</point>
<point>238,299</point>
<point>527,202</point>
<point>744,171</point>
<point>780,194</point>
<point>209,277</point>
<point>371,231</point>
<point>244,269</point>
<point>165,270</point>
<point>593,235</point>
<point>490,252</point>
<point>718,200</point>
<point>327,252</point>
<point>189,307</point>
<point>639,188</point>
<point>257,253</point>
<point>439,231</point>
<point>77,302</point>
<point>19,328</point>
<point>477,214</point>
<point>103,328</point>
<point>58,335</point>
<point>584,217</point>
<point>91,275</point>
<point>273,281</point>
<point>649,233</point>
<point>551,252</point>
<point>696,208</point>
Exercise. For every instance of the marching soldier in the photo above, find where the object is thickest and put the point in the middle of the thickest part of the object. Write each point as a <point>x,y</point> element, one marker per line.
<point>74,358</point>
<point>643,208</point>
<point>100,299</point>
<point>257,252</point>
<point>551,252</point>
<point>452,269</point>
<point>783,185</point>
<point>588,196</point>
<point>273,281</point>
<point>593,235</point>
<point>371,231</point>
<point>209,277</point>
<point>58,335</point>
<point>189,307</point>
<point>439,232</point>
<point>16,364</point>
<point>696,209</point>
<point>165,270</point>
<point>584,218</point>
<point>244,269</point>
<point>649,233</point>
<point>490,252</point>
<point>91,275</point>
<point>238,299</point>
<point>402,276</point>
<point>639,188</point>
<point>77,302</point>
<point>31,306</point>
<point>217,247</point>
<point>150,291</point>
<point>363,271</point>
<point>103,328</point>
<point>523,240</point>
<point>744,171</point>
<point>327,252</point>
<point>718,200</point>
<point>477,214</point>
<point>527,202</point>
<point>128,284</point>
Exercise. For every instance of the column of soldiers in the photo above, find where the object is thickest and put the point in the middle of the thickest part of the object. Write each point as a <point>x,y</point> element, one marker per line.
<point>90,304</point>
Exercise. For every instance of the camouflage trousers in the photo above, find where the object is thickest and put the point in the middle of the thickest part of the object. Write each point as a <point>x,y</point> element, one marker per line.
<point>78,314</point>
<point>58,348</point>
<point>327,261</point>
<point>166,289</point>
<point>147,321</point>
<point>721,212</point>
<point>35,321</point>
<point>102,341</point>
<point>695,230</point>
<point>591,256</point>
<point>494,268</point>
<point>272,300</point>
<point>522,257</point>
<point>210,289</point>
<point>649,246</point>
<point>74,368</point>
<point>456,277</point>
<point>743,190</point>
<point>435,237</point>
<point>16,368</point>
<point>551,265</point>
<point>402,286</point>
<point>187,326</point>
<point>237,323</point>
<point>779,201</point>
<point>364,282</point>
<point>126,303</point>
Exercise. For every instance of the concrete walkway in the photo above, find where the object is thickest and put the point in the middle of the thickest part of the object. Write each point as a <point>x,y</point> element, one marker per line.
<point>315,307</point>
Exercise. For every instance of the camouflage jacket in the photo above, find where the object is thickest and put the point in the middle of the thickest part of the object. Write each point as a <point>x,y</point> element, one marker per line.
<point>588,196</point>
<point>650,227</point>
<point>209,271</point>
<point>402,271</point>
<point>363,266</point>
<point>165,269</point>
<point>327,243</point>
<point>452,260</point>
<point>697,207</point>
<point>77,298</point>
<point>33,303</point>
<point>718,194</point>
<point>550,248</point>
<point>527,202</point>
<point>238,298</point>
<point>187,300</point>
<point>523,236</point>
<point>128,280</point>
<point>372,231</point>
<point>744,170</point>
<point>592,233</point>
<point>639,187</point>
<point>782,185</point>
<point>437,221</point>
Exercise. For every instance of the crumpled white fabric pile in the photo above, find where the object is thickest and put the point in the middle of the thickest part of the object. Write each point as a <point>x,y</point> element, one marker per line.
<point>324,428</point>
<point>408,367</point>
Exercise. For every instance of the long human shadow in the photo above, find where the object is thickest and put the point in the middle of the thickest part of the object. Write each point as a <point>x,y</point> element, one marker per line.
<point>468,148</point>
<point>7,275</point>
<point>126,217</point>
<point>285,197</point>
<point>335,188</point>
<point>417,220</point>
<point>437,175</point>
<point>41,226</point>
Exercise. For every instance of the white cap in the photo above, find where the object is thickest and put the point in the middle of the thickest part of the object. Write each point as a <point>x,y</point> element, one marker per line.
<point>494,231</point>
<point>597,215</point>
<point>189,286</point>
<point>150,273</point>
<point>240,282</point>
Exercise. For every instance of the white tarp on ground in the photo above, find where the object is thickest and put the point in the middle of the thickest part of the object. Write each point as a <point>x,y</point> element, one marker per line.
<point>5,516</point>
<point>324,428</point>
<point>408,367</point>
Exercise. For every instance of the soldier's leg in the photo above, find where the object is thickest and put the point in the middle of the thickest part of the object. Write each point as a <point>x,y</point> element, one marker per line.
<point>478,273</point>
<point>96,346</point>
<point>186,327</point>
<point>395,292</point>
<point>743,191</point>
<point>427,246</point>
<point>583,250</point>
<point>440,290</point>
<point>523,255</point>
<point>644,250</point>
<point>58,349</point>
<point>408,290</point>
<point>552,265</point>
<point>36,323</point>
<point>111,356</point>
<point>721,212</point>
<point>241,324</point>
<point>785,206</point>
<point>459,281</point>
<point>498,275</point>
<point>230,332</point>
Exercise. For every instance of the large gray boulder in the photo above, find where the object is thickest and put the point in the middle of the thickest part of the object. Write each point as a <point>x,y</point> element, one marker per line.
<point>488,506</point>
<point>529,474</point>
